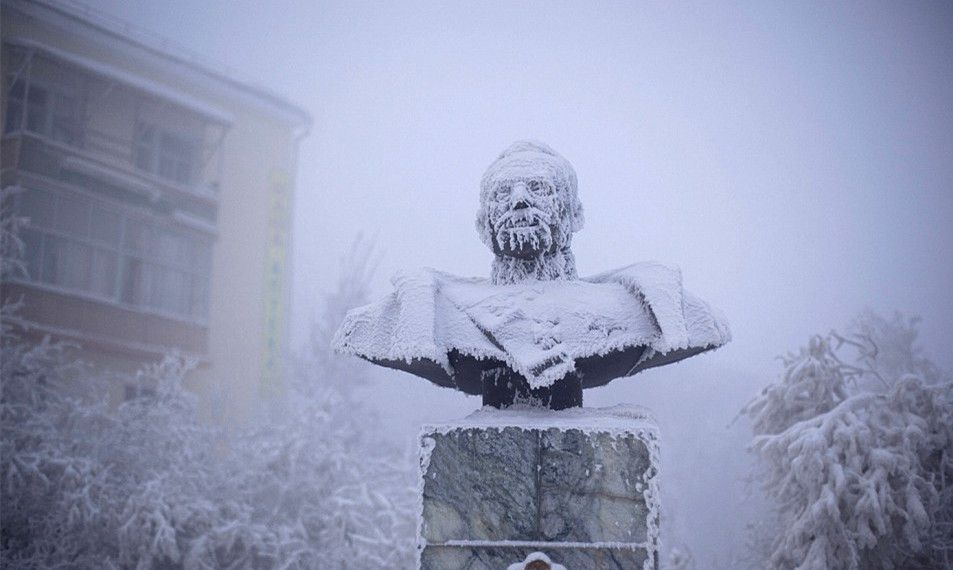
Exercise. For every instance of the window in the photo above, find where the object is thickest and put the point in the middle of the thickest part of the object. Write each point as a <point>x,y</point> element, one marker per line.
<point>37,109</point>
<point>164,153</point>
<point>14,115</point>
<point>175,158</point>
<point>166,270</point>
<point>80,244</point>
<point>65,123</point>
<point>135,391</point>
<point>55,113</point>
<point>144,147</point>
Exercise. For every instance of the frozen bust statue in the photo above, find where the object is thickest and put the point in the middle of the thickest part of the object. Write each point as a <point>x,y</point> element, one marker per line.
<point>529,209</point>
<point>535,333</point>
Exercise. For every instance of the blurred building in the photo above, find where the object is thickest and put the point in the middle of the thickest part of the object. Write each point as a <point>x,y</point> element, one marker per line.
<point>159,193</point>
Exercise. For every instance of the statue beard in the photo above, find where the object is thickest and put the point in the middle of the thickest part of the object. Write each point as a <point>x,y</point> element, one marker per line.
<point>526,233</point>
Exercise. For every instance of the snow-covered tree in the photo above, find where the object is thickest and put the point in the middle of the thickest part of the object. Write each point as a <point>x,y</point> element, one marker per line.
<point>326,444</point>
<point>857,452</point>
<point>148,484</point>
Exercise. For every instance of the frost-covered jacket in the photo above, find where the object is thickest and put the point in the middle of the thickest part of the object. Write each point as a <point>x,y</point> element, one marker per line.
<point>444,328</point>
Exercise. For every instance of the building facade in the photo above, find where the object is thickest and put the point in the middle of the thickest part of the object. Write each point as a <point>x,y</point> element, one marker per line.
<point>158,193</point>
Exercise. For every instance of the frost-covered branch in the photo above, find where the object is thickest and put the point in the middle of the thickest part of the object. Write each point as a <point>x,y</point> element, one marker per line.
<point>148,484</point>
<point>857,455</point>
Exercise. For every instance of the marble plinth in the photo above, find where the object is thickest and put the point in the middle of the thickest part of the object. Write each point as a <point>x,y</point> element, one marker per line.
<point>579,485</point>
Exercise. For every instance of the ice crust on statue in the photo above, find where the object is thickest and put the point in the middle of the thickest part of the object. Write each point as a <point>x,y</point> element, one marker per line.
<point>636,317</point>
<point>532,241</point>
<point>534,314</point>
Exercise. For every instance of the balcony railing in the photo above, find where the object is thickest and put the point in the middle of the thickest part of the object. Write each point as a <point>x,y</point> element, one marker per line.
<point>110,148</point>
<point>103,155</point>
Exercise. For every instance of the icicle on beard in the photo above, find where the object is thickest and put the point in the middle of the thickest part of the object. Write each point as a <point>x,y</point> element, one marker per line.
<point>529,237</point>
<point>525,242</point>
<point>525,233</point>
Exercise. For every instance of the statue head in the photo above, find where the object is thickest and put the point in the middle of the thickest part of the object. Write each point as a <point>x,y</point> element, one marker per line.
<point>529,207</point>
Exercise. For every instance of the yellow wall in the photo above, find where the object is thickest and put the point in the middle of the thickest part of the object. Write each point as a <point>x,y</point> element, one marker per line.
<point>254,151</point>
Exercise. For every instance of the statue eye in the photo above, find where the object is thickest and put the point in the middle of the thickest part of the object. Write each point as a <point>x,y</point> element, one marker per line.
<point>534,186</point>
<point>541,188</point>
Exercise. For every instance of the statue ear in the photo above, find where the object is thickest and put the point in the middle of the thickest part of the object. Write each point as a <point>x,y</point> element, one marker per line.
<point>483,226</point>
<point>578,218</point>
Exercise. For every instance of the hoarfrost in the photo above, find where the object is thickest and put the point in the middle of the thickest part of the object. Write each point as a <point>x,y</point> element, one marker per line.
<point>529,209</point>
<point>148,484</point>
<point>534,315</point>
<point>541,329</point>
<point>859,456</point>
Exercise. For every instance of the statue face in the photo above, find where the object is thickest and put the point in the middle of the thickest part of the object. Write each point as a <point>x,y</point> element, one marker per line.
<point>523,214</point>
<point>528,202</point>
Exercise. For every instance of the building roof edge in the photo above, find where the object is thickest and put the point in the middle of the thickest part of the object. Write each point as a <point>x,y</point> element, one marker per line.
<point>164,49</point>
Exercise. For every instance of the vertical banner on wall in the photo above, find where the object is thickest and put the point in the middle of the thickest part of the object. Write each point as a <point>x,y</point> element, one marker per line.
<point>276,261</point>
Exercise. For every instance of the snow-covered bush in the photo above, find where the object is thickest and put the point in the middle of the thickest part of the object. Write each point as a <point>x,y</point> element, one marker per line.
<point>352,497</point>
<point>148,484</point>
<point>858,452</point>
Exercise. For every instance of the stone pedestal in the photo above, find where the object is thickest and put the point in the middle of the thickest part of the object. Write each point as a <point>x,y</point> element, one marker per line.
<point>579,485</point>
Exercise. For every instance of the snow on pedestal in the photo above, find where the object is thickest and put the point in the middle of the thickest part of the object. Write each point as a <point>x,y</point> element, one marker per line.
<point>578,485</point>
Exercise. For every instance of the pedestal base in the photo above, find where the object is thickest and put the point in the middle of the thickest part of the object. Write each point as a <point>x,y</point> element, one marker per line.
<point>578,485</point>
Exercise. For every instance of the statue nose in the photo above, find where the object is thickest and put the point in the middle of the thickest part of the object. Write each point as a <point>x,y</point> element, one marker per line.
<point>519,196</point>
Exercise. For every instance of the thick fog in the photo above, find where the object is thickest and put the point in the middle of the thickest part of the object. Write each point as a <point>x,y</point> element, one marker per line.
<point>796,161</point>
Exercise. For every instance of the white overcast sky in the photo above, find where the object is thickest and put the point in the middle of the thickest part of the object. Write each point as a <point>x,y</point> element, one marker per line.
<point>795,160</point>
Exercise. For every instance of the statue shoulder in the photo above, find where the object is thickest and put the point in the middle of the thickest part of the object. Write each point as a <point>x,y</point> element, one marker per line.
<point>428,277</point>
<point>684,320</point>
<point>416,322</point>
<point>645,272</point>
<point>659,288</point>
